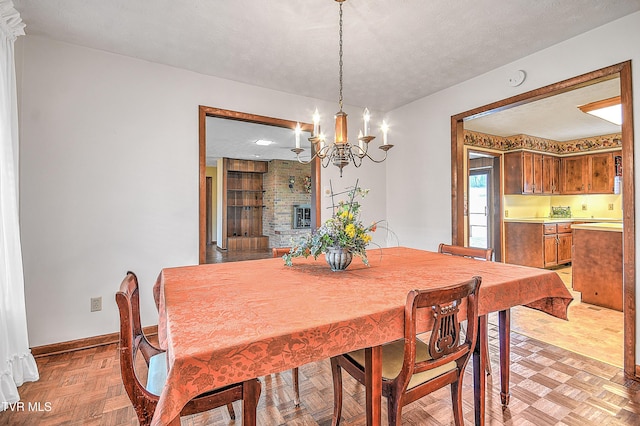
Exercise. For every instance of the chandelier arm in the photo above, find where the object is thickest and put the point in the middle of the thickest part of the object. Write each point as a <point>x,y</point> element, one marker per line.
<point>322,152</point>
<point>377,161</point>
<point>361,152</point>
<point>301,161</point>
<point>325,161</point>
<point>356,159</point>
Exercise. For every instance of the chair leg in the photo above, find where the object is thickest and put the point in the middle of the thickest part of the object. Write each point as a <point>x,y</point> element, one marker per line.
<point>296,387</point>
<point>250,396</point>
<point>336,372</point>
<point>456,400</point>
<point>394,410</point>
<point>232,413</point>
<point>485,354</point>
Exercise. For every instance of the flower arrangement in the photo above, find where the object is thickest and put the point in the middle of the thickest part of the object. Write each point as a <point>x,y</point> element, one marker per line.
<point>344,230</point>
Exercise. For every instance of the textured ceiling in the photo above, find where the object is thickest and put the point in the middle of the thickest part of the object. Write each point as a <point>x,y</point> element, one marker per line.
<point>557,117</point>
<point>395,51</point>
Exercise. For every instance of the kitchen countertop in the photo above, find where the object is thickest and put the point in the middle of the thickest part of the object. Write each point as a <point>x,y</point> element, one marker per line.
<point>599,226</point>
<point>561,220</point>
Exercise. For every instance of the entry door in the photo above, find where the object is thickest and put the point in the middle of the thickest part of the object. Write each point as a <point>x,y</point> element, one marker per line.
<point>480,208</point>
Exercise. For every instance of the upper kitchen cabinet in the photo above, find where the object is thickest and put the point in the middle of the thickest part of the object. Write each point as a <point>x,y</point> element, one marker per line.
<point>523,173</point>
<point>573,175</point>
<point>588,174</point>
<point>601,173</point>
<point>550,174</point>
<point>531,173</point>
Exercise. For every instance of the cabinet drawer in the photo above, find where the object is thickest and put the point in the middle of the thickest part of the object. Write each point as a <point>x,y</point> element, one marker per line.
<point>550,228</point>
<point>564,228</point>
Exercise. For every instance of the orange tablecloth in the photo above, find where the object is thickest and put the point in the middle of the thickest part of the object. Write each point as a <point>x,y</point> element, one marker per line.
<point>226,323</point>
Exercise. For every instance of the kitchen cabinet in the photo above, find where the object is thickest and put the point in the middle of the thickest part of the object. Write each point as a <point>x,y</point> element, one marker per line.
<point>540,245</point>
<point>557,244</point>
<point>550,174</point>
<point>588,174</point>
<point>531,173</point>
<point>572,175</point>
<point>600,173</point>
<point>523,172</point>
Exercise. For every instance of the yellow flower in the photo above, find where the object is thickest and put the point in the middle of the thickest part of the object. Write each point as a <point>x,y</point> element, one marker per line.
<point>347,215</point>
<point>350,230</point>
<point>366,238</point>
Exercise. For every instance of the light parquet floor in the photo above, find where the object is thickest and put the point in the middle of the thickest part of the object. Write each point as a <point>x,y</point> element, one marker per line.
<point>592,331</point>
<point>549,386</point>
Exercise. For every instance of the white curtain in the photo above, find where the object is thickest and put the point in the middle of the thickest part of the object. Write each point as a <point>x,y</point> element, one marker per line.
<point>16,362</point>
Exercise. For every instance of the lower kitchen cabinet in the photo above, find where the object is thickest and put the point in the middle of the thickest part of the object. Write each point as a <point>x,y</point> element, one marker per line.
<point>540,245</point>
<point>597,267</point>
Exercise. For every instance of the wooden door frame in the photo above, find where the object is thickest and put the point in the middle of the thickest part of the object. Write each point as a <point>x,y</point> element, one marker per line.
<point>206,111</point>
<point>496,191</point>
<point>623,71</point>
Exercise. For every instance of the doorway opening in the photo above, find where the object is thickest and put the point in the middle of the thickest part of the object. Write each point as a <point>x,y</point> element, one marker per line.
<point>483,183</point>
<point>623,72</point>
<point>203,113</point>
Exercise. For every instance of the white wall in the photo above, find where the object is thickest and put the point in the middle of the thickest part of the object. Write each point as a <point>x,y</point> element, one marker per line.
<point>109,176</point>
<point>419,172</point>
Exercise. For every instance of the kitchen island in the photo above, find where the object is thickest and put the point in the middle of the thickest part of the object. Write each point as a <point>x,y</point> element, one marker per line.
<point>597,263</point>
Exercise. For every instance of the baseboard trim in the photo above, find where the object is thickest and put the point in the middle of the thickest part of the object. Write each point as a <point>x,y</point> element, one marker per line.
<point>86,343</point>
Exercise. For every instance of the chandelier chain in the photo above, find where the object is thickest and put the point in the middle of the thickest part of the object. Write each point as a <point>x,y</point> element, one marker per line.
<point>340,62</point>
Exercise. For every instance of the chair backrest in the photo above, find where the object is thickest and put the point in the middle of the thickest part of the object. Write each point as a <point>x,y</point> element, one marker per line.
<point>472,252</point>
<point>280,251</point>
<point>132,342</point>
<point>449,306</point>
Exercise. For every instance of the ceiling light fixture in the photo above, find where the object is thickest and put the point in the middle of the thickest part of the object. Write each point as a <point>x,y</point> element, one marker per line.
<point>607,109</point>
<point>341,153</point>
<point>263,142</point>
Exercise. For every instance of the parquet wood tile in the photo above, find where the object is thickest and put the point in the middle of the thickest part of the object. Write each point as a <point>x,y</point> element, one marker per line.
<point>549,386</point>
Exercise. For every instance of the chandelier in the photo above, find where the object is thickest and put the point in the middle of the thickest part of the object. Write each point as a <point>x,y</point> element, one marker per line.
<point>341,153</point>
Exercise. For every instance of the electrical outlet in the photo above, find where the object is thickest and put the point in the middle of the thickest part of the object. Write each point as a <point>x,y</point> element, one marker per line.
<point>506,213</point>
<point>584,207</point>
<point>611,206</point>
<point>96,304</point>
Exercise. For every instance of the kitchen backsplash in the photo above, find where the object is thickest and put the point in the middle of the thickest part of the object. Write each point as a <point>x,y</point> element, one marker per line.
<point>587,206</point>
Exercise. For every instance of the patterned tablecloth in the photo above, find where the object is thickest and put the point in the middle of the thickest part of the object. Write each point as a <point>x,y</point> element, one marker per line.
<point>226,323</point>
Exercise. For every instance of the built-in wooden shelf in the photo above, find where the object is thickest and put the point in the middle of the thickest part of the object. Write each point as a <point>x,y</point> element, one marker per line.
<point>243,204</point>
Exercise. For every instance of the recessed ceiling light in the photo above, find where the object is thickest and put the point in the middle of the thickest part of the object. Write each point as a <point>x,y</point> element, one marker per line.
<point>263,142</point>
<point>607,109</point>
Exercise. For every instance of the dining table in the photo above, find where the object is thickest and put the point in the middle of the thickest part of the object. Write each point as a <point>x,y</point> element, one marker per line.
<point>230,322</point>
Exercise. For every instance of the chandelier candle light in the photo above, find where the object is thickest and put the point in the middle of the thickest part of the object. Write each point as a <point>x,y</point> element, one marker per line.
<point>341,153</point>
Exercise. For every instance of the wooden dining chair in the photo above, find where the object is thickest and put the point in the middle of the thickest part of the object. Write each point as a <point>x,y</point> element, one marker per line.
<point>279,252</point>
<point>411,368</point>
<point>145,397</point>
<point>471,252</point>
<point>480,254</point>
